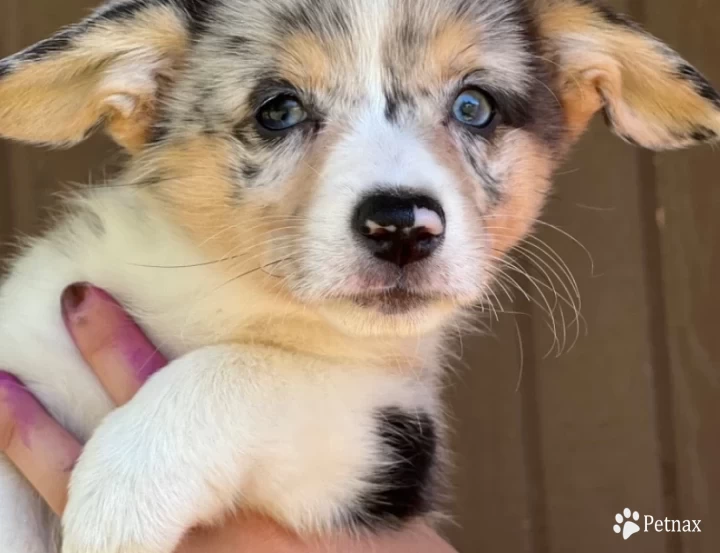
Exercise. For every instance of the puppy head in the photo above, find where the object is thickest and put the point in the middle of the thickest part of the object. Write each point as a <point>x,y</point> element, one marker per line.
<point>371,161</point>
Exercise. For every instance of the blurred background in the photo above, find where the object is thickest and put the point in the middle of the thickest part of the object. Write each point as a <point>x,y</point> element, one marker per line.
<point>553,436</point>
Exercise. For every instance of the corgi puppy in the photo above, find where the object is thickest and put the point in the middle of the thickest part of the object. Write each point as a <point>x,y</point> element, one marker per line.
<point>315,191</point>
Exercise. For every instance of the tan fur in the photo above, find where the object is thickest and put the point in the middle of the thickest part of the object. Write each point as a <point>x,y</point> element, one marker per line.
<point>627,70</point>
<point>301,350</point>
<point>528,185</point>
<point>306,60</point>
<point>60,98</point>
<point>453,51</point>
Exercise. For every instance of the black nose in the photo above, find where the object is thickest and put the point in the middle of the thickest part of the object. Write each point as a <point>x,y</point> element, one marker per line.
<point>400,228</point>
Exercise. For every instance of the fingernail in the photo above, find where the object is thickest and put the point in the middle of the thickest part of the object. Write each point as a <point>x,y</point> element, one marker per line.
<point>89,311</point>
<point>73,298</point>
<point>9,379</point>
<point>80,300</point>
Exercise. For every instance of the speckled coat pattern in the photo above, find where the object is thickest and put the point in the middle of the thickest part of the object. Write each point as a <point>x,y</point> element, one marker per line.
<point>316,193</point>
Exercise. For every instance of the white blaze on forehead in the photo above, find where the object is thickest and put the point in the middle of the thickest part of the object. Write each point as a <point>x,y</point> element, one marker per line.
<point>429,220</point>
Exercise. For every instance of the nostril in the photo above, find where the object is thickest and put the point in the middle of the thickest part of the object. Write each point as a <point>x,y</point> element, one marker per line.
<point>425,235</point>
<point>400,228</point>
<point>373,230</point>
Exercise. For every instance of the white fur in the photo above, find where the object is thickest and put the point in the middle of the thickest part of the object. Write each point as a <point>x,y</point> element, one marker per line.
<point>284,433</point>
<point>271,401</point>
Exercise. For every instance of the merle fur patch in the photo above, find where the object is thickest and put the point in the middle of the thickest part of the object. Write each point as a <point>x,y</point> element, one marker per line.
<point>701,85</point>
<point>490,184</point>
<point>249,173</point>
<point>58,43</point>
<point>196,11</point>
<point>539,111</point>
<point>395,99</point>
<point>307,16</point>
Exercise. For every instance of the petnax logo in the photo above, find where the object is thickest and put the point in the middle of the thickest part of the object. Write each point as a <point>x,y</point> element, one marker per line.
<point>629,523</point>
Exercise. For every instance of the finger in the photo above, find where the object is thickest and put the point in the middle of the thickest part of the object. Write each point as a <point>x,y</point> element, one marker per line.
<point>39,447</point>
<point>110,341</point>
<point>415,538</point>
<point>259,534</point>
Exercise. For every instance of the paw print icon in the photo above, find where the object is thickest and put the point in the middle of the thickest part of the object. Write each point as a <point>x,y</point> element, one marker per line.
<point>627,523</point>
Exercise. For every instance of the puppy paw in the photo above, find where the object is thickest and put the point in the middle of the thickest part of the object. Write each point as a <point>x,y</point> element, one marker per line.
<point>104,517</point>
<point>118,500</point>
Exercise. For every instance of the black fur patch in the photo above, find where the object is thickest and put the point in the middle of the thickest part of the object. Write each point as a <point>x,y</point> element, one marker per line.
<point>197,12</point>
<point>701,85</point>
<point>609,14</point>
<point>126,10</point>
<point>395,98</point>
<point>99,124</point>
<point>540,111</point>
<point>392,106</point>
<point>244,133</point>
<point>268,87</point>
<point>615,18</point>
<point>237,44</point>
<point>249,173</point>
<point>490,184</point>
<point>159,132</point>
<point>703,134</point>
<point>5,69</point>
<point>53,45</point>
<point>403,488</point>
<point>608,117</point>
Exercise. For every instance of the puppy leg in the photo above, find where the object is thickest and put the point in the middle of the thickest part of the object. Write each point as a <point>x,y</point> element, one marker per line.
<point>26,524</point>
<point>170,459</point>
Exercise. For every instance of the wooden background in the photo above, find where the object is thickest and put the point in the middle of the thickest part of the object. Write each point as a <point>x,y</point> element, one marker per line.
<point>630,417</point>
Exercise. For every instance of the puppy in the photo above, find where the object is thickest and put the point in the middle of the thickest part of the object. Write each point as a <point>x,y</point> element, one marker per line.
<point>315,190</point>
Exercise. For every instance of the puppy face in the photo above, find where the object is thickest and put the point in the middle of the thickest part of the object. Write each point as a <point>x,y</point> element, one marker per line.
<point>371,160</point>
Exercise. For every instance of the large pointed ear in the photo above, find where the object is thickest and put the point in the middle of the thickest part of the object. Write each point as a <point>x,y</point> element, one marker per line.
<point>650,95</point>
<point>108,69</point>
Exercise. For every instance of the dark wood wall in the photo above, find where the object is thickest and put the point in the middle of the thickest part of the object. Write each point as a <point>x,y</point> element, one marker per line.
<point>630,415</point>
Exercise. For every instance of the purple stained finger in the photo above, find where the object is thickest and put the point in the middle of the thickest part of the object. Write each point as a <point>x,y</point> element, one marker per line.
<point>87,308</point>
<point>23,407</point>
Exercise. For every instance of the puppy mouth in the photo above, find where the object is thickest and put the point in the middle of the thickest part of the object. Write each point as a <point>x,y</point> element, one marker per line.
<point>395,300</point>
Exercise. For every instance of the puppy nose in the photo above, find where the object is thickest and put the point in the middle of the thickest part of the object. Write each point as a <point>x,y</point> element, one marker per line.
<point>400,228</point>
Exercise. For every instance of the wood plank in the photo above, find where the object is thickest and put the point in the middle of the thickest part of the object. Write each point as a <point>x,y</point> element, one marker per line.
<point>688,208</point>
<point>6,218</point>
<point>599,448</point>
<point>493,508</point>
<point>33,175</point>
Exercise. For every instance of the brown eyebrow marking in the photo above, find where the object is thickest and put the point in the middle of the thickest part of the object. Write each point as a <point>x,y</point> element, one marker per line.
<point>305,59</point>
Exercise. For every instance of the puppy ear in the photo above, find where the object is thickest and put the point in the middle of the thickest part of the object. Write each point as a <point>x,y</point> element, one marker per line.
<point>106,70</point>
<point>649,94</point>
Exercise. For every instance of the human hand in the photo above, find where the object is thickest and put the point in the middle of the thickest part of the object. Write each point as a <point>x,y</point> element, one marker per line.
<point>122,358</point>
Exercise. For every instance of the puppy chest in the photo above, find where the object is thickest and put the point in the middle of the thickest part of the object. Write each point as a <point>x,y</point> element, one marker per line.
<point>356,463</point>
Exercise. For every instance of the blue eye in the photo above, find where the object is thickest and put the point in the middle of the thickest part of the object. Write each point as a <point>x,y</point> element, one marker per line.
<point>474,108</point>
<point>281,113</point>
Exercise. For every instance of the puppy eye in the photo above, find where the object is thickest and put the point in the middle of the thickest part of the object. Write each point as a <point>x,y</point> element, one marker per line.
<point>474,108</point>
<point>282,113</point>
